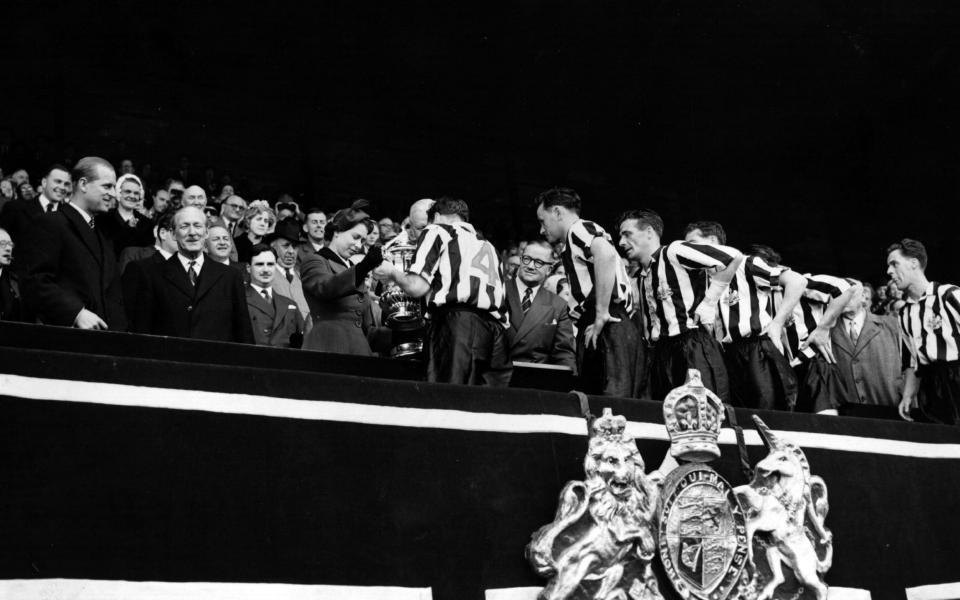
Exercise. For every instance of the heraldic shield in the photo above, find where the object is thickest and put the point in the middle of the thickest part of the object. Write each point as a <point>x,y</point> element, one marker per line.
<point>703,535</point>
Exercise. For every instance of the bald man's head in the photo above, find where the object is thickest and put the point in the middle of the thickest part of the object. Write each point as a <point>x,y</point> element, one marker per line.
<point>194,196</point>
<point>419,219</point>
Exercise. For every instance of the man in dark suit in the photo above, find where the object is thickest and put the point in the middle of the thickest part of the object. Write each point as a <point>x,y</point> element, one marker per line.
<point>70,275</point>
<point>192,297</point>
<point>18,214</point>
<point>137,261</point>
<point>540,327</point>
<point>275,318</point>
<point>10,305</point>
<point>868,352</point>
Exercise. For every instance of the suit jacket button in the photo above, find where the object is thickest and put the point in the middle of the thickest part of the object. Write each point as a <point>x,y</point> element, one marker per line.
<point>357,322</point>
<point>189,308</point>
<point>359,312</point>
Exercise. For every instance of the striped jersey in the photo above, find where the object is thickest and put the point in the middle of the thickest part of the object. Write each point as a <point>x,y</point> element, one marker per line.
<point>931,324</point>
<point>461,268</point>
<point>674,284</point>
<point>578,262</point>
<point>821,290</point>
<point>746,307</point>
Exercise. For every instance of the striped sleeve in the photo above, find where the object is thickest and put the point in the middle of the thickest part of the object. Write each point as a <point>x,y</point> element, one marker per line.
<point>908,351</point>
<point>951,301</point>
<point>823,288</point>
<point>763,274</point>
<point>583,233</point>
<point>430,248</point>
<point>700,256</point>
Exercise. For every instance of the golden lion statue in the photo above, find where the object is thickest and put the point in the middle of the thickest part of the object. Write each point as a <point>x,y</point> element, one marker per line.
<point>602,525</point>
<point>788,505</point>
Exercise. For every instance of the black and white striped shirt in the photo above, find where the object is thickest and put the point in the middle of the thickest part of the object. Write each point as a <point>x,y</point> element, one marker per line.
<point>746,307</point>
<point>578,262</point>
<point>808,313</point>
<point>461,268</point>
<point>931,324</point>
<point>674,284</point>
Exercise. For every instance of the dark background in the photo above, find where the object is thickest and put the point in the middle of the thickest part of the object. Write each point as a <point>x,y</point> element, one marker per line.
<point>826,129</point>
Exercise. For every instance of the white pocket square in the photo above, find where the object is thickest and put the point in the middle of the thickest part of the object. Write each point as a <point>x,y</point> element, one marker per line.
<point>553,322</point>
<point>292,306</point>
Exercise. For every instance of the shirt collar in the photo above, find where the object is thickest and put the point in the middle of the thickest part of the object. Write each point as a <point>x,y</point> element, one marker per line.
<point>522,287</point>
<point>928,291</point>
<point>44,201</point>
<point>198,262</point>
<point>166,255</point>
<point>857,319</point>
<point>260,290</point>
<point>87,217</point>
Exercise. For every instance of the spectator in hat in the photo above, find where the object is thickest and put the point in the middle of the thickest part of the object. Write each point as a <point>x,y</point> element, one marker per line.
<point>126,225</point>
<point>284,241</point>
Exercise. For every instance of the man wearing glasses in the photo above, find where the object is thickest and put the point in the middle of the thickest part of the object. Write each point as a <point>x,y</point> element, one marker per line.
<point>540,327</point>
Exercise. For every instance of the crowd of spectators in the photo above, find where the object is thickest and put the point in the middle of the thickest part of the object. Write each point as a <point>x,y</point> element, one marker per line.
<point>90,247</point>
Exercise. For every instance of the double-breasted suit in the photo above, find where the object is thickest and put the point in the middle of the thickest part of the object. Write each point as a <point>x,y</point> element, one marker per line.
<point>67,266</point>
<point>275,321</point>
<point>214,309</point>
<point>871,369</point>
<point>545,333</point>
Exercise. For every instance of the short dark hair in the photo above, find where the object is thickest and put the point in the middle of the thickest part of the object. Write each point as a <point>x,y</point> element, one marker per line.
<point>708,228</point>
<point>165,220</point>
<point>559,196</point>
<point>644,218</point>
<point>260,248</point>
<point>86,168</point>
<point>768,254</point>
<point>314,210</point>
<point>910,249</point>
<point>447,205</point>
<point>56,167</point>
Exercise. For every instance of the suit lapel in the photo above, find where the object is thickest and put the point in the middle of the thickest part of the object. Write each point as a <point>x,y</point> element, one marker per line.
<point>279,311</point>
<point>87,235</point>
<point>842,338</point>
<point>513,306</point>
<point>869,330</point>
<point>174,272</point>
<point>535,316</point>
<point>258,302</point>
<point>209,275</point>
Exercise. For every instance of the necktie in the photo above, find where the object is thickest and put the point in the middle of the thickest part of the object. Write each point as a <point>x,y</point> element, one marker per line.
<point>266,294</point>
<point>192,273</point>
<point>289,275</point>
<point>852,332</point>
<point>92,223</point>
<point>51,206</point>
<point>525,305</point>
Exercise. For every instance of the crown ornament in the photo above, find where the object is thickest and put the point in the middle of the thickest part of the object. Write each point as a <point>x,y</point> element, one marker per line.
<point>693,415</point>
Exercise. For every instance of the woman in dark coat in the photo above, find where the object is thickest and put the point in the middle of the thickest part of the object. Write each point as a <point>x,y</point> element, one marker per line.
<point>335,289</point>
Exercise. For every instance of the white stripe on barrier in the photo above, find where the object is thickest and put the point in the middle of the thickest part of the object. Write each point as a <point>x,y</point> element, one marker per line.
<point>530,593</point>
<point>942,591</point>
<point>432,418</point>
<point>95,589</point>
